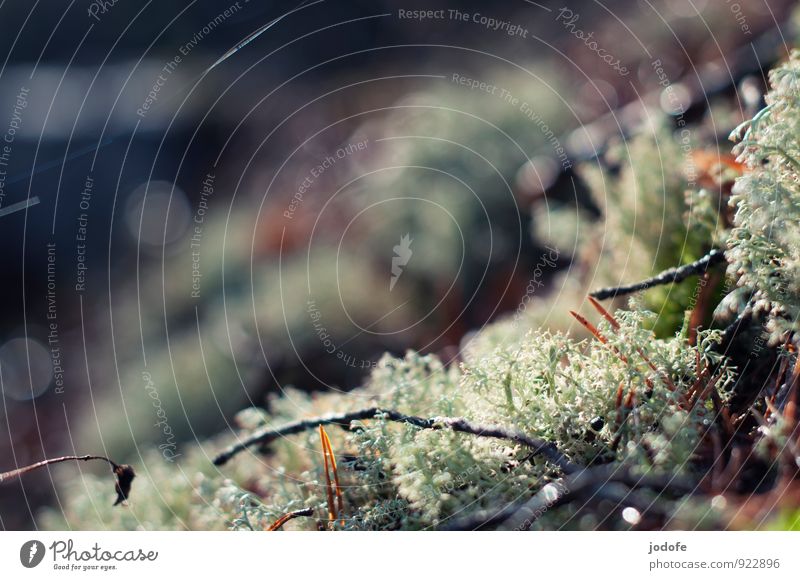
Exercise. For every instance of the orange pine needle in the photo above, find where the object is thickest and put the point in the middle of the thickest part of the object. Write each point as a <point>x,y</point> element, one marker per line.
<point>589,326</point>
<point>629,398</point>
<point>695,388</point>
<point>616,326</point>
<point>604,313</point>
<point>654,368</point>
<point>334,509</point>
<point>339,495</point>
<point>289,516</point>
<point>279,522</point>
<point>620,393</point>
<point>328,484</point>
<point>709,388</point>
<point>708,283</point>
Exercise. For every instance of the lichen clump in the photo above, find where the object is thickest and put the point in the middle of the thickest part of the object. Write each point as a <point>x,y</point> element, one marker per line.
<point>616,392</point>
<point>764,252</point>
<point>398,476</point>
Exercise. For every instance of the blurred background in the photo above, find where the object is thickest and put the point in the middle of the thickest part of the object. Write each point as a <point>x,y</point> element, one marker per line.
<point>187,229</point>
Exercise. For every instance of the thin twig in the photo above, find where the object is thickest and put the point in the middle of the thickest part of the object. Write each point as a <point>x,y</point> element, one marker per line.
<point>666,277</point>
<point>23,470</point>
<point>251,37</point>
<point>522,514</point>
<point>594,480</point>
<point>305,512</point>
<point>123,474</point>
<point>457,424</point>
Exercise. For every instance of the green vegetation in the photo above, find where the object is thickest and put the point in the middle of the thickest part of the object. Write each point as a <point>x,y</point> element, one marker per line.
<point>765,243</point>
<point>642,408</point>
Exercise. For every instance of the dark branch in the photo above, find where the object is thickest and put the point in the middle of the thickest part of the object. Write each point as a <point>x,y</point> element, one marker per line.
<point>666,277</point>
<point>593,480</point>
<point>596,481</point>
<point>457,424</point>
<point>123,474</point>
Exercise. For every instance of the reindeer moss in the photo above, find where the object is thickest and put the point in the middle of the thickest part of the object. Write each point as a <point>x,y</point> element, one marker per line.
<point>620,400</point>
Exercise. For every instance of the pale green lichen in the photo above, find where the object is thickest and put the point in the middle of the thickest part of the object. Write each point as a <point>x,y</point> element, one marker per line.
<point>651,218</point>
<point>401,476</point>
<point>553,384</point>
<point>764,248</point>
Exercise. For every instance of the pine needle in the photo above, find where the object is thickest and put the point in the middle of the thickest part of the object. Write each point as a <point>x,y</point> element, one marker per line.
<point>332,485</point>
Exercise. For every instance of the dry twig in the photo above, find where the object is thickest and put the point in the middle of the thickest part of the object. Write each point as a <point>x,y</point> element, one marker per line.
<point>305,512</point>
<point>123,474</point>
<point>457,424</point>
<point>666,277</point>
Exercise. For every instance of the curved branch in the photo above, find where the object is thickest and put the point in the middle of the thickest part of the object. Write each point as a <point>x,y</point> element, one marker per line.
<point>678,274</point>
<point>123,474</point>
<point>457,424</point>
<point>522,514</point>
